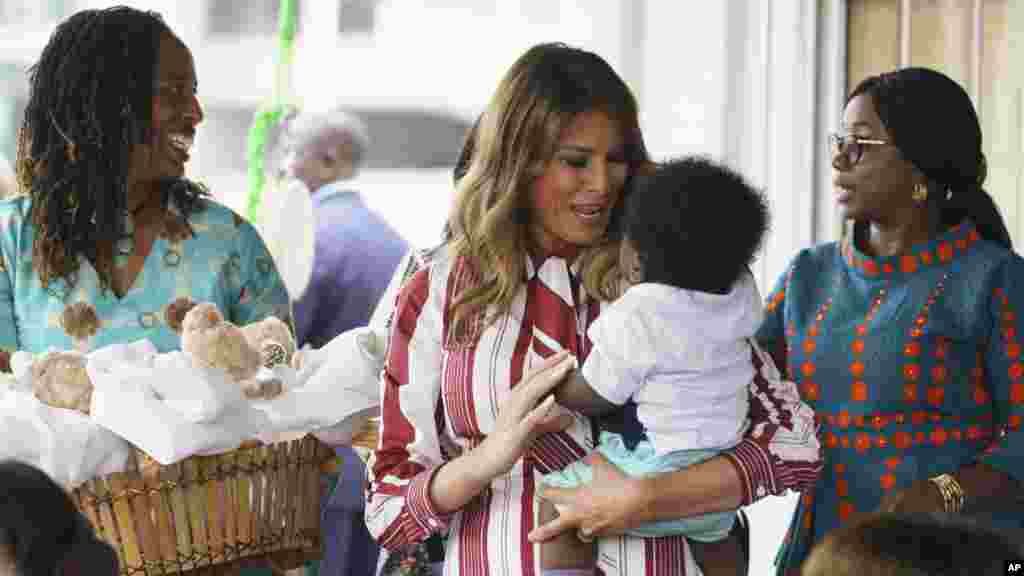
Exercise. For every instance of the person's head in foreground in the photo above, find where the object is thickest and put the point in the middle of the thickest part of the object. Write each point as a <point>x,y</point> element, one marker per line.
<point>918,545</point>
<point>41,531</point>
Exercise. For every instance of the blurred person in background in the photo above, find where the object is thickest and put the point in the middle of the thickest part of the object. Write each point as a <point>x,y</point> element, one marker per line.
<point>356,252</point>
<point>356,249</point>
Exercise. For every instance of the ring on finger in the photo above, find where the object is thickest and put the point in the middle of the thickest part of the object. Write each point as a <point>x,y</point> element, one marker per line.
<point>584,536</point>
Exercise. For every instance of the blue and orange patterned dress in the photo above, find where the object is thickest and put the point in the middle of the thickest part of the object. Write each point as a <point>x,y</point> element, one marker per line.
<point>215,257</point>
<point>912,363</point>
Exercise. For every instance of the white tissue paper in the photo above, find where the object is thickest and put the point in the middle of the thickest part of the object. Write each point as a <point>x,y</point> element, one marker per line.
<point>171,409</point>
<point>21,365</point>
<point>66,444</point>
<point>7,382</point>
<point>168,408</point>
<point>199,394</point>
<point>336,391</point>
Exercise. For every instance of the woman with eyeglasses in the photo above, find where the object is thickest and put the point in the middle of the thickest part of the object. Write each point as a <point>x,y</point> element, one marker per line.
<point>905,336</point>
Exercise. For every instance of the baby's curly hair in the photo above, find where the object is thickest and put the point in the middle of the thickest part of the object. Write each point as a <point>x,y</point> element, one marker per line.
<point>695,224</point>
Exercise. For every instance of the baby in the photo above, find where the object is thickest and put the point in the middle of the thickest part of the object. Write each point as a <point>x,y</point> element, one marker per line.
<point>677,342</point>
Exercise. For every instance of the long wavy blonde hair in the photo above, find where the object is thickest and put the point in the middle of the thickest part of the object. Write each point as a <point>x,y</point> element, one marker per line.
<point>543,91</point>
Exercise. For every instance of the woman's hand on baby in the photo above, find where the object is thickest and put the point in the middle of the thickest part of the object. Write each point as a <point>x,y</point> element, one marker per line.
<point>610,504</point>
<point>527,413</point>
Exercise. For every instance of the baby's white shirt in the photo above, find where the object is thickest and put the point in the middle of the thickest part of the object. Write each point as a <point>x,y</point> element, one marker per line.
<point>683,356</point>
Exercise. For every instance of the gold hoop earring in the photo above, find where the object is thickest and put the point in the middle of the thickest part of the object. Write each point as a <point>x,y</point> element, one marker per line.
<point>920,193</point>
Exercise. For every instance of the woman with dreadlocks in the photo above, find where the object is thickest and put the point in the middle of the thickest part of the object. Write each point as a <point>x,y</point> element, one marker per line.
<point>111,243</point>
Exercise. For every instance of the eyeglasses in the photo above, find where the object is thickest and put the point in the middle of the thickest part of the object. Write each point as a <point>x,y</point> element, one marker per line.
<point>851,147</point>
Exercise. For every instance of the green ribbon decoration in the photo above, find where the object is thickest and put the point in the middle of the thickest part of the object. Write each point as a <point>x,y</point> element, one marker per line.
<point>269,116</point>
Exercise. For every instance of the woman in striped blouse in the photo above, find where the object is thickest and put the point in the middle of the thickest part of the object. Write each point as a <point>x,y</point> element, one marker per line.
<point>528,265</point>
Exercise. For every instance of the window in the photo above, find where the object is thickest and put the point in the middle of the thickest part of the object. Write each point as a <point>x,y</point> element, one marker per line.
<point>356,16</point>
<point>245,17</point>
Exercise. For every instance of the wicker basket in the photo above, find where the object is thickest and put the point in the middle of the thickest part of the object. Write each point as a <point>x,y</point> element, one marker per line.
<point>213,514</point>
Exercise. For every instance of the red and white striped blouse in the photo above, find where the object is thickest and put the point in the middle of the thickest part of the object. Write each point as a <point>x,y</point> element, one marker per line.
<point>438,400</point>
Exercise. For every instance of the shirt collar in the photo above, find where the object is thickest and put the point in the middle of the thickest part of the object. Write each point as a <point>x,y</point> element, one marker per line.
<point>332,190</point>
<point>939,251</point>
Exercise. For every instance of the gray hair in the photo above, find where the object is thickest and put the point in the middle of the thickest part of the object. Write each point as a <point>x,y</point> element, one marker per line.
<point>306,126</point>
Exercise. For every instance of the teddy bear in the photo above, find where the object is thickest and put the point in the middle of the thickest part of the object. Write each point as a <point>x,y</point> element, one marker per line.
<point>240,351</point>
<point>273,339</point>
<point>59,379</point>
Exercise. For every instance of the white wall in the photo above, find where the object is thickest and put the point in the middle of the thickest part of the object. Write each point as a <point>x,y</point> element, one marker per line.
<point>754,84</point>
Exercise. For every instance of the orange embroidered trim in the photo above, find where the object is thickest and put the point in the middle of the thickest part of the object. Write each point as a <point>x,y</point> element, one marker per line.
<point>911,350</point>
<point>946,251</point>
<point>808,387</point>
<point>903,439</point>
<point>859,389</point>
<point>1007,320</point>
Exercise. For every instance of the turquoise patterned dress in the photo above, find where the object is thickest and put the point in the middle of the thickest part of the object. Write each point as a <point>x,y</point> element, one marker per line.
<point>912,363</point>
<point>215,257</point>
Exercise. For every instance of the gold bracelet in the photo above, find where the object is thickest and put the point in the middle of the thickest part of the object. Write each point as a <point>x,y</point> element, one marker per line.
<point>951,491</point>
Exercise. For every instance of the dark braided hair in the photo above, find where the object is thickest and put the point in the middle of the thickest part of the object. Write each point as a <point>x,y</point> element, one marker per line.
<point>90,104</point>
<point>934,125</point>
